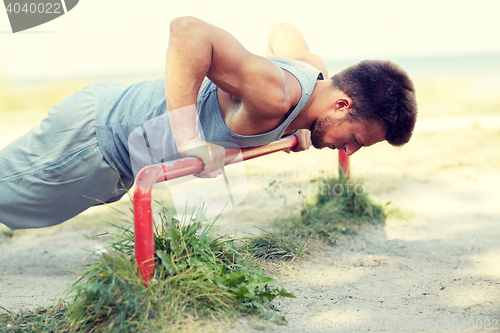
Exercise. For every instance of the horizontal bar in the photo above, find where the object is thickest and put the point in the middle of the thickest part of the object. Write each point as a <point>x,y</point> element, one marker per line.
<point>157,173</point>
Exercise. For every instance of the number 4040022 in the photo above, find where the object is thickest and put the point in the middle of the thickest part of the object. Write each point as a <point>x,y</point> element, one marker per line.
<point>32,8</point>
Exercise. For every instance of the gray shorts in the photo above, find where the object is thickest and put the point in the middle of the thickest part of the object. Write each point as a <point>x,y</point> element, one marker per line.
<point>56,170</point>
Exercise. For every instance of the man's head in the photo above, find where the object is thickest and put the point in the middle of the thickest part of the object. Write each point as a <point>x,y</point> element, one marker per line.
<point>380,92</point>
<point>338,130</point>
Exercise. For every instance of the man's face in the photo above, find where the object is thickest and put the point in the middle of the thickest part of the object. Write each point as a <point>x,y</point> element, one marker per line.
<point>345,133</point>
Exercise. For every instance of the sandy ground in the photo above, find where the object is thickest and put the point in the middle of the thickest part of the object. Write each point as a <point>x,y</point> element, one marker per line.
<point>440,266</point>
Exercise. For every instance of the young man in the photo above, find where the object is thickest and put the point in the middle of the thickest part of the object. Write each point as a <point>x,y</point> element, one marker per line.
<point>215,94</point>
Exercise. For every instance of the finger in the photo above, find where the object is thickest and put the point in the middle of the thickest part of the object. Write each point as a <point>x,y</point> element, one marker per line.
<point>220,158</point>
<point>210,156</point>
<point>204,174</point>
<point>208,172</point>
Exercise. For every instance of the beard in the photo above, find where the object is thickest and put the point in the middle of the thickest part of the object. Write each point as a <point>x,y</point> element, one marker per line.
<point>319,129</point>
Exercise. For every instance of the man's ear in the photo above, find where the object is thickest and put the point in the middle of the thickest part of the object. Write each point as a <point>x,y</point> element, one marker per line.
<point>343,103</point>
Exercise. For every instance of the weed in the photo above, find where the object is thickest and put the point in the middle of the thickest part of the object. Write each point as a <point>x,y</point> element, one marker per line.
<point>275,246</point>
<point>335,212</point>
<point>397,213</point>
<point>49,319</point>
<point>198,275</point>
<point>8,233</point>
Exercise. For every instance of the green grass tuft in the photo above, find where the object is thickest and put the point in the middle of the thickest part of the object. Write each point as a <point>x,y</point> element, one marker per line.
<point>276,246</point>
<point>199,274</point>
<point>8,233</point>
<point>340,208</point>
<point>49,319</point>
<point>200,277</point>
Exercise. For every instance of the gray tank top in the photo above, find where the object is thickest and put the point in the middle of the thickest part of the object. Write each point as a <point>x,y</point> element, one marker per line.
<point>133,128</point>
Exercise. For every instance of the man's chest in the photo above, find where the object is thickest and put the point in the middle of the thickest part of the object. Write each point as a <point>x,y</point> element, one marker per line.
<point>245,121</point>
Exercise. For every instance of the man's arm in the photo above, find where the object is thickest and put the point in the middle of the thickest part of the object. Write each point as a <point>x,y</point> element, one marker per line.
<point>197,49</point>
<point>285,41</point>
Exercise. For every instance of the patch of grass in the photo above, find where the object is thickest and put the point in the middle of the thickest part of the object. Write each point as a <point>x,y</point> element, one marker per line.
<point>49,319</point>
<point>397,213</point>
<point>8,233</point>
<point>276,246</point>
<point>36,95</point>
<point>339,208</point>
<point>44,94</point>
<point>200,277</point>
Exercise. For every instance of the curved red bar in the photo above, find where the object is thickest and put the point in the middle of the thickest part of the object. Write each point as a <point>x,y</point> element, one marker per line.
<point>149,175</point>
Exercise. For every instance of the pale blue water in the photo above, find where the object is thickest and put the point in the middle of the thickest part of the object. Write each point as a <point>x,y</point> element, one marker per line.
<point>482,70</point>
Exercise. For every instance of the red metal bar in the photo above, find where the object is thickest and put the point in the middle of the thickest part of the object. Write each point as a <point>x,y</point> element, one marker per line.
<point>149,175</point>
<point>344,168</point>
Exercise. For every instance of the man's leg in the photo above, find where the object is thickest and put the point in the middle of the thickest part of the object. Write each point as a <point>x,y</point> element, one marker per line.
<point>56,170</point>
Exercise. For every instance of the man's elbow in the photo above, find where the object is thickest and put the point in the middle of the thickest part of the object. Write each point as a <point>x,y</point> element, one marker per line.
<point>184,24</point>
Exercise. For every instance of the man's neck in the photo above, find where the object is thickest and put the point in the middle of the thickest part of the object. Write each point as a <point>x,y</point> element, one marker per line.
<point>317,103</point>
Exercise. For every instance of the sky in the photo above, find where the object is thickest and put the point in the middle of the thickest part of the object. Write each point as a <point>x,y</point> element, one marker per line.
<point>115,37</point>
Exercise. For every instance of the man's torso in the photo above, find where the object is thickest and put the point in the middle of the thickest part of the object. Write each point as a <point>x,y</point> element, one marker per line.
<point>133,120</point>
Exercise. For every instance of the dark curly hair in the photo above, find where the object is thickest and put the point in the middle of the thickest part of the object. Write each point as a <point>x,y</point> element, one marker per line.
<point>381,91</point>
